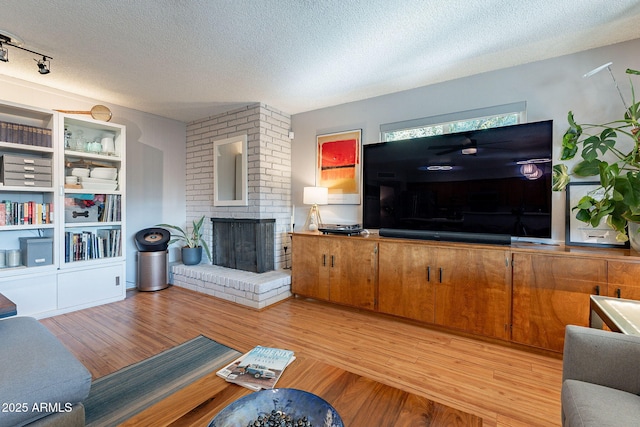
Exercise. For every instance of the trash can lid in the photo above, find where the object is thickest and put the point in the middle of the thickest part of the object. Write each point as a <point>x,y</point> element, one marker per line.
<point>153,239</point>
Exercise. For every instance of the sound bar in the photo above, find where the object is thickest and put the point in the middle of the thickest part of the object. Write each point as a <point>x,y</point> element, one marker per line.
<point>447,236</point>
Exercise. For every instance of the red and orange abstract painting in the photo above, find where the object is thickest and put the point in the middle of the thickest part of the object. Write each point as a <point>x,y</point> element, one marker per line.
<point>339,166</point>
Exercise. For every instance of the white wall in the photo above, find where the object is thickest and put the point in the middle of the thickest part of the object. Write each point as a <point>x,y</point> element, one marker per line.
<point>155,158</point>
<point>551,88</point>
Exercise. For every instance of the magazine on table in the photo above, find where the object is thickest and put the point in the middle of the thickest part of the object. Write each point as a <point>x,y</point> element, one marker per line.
<point>259,368</point>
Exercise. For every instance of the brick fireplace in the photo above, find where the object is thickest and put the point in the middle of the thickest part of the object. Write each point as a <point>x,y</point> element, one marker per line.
<point>269,202</point>
<point>269,170</point>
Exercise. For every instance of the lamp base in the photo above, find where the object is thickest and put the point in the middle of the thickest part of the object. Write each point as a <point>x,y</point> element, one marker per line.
<point>313,219</point>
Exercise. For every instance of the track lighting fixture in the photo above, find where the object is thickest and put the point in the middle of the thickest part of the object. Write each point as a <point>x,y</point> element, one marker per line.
<point>44,64</point>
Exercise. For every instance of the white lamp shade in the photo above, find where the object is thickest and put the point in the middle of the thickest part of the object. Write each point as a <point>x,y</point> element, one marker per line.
<point>315,196</point>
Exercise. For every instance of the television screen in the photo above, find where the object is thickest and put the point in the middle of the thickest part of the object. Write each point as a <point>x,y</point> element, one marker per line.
<point>490,181</point>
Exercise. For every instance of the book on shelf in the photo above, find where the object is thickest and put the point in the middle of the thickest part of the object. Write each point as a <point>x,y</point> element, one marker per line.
<point>259,368</point>
<point>111,208</point>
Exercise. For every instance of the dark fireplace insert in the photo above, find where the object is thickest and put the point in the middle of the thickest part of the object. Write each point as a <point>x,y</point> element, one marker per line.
<point>243,244</point>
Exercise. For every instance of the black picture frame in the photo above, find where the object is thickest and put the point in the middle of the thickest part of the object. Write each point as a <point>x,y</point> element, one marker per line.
<point>578,233</point>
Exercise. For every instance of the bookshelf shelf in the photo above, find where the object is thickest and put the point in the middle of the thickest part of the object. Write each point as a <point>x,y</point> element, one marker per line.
<point>16,189</point>
<point>94,224</point>
<point>11,147</point>
<point>26,227</point>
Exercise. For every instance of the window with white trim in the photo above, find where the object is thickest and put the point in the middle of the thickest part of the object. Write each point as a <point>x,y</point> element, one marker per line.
<point>483,118</point>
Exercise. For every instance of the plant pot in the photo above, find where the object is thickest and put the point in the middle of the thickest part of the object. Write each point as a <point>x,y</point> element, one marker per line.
<point>634,237</point>
<point>192,256</point>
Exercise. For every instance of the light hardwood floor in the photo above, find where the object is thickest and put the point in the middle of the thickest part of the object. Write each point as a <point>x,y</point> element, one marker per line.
<point>505,386</point>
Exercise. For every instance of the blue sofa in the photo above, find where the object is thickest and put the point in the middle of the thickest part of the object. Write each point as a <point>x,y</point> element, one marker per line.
<point>600,378</point>
<point>42,383</point>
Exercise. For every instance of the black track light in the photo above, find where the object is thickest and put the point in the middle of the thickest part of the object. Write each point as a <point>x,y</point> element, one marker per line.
<point>44,67</point>
<point>4,53</point>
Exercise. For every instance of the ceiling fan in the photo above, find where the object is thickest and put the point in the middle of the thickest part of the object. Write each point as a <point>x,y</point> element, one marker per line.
<point>467,146</point>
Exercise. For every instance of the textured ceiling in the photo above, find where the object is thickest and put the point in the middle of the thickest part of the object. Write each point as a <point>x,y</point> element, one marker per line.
<point>189,59</point>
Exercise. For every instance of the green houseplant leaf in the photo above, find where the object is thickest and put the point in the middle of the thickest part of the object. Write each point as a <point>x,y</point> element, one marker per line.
<point>560,177</point>
<point>598,143</point>
<point>570,139</point>
<point>587,168</point>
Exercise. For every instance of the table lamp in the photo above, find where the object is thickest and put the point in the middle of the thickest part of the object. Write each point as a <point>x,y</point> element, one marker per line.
<point>314,196</point>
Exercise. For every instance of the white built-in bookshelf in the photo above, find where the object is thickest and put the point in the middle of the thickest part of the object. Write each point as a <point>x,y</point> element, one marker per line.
<point>62,205</point>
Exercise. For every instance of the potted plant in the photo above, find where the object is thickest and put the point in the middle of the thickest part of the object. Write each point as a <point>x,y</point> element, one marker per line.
<point>610,152</point>
<point>193,241</point>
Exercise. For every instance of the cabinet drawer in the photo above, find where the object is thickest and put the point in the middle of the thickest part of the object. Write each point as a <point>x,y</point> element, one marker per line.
<point>26,183</point>
<point>26,168</point>
<point>29,176</point>
<point>7,159</point>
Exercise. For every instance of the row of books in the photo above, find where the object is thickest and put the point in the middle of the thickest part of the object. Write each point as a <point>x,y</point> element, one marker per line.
<point>112,208</point>
<point>260,368</point>
<point>25,134</point>
<point>35,213</point>
<point>25,213</point>
<point>86,245</point>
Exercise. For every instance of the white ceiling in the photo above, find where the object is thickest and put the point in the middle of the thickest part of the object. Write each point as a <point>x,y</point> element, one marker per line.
<point>190,59</point>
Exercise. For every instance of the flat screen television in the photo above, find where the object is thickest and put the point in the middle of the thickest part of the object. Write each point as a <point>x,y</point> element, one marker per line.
<point>490,182</point>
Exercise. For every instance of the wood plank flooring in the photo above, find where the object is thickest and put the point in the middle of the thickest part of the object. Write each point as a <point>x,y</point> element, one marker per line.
<point>505,386</point>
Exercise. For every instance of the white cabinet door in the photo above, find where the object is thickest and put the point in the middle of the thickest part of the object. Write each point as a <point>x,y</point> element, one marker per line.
<point>91,286</point>
<point>33,295</point>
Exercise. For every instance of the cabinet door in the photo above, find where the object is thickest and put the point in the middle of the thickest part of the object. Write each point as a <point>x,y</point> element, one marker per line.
<point>33,295</point>
<point>309,271</point>
<point>407,280</point>
<point>473,291</point>
<point>551,292</point>
<point>353,271</point>
<point>623,279</point>
<point>88,287</point>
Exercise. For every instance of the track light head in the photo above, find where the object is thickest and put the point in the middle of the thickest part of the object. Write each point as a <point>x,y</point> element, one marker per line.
<point>4,53</point>
<point>44,67</point>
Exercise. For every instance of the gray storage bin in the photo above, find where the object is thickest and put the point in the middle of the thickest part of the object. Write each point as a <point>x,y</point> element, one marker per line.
<point>36,251</point>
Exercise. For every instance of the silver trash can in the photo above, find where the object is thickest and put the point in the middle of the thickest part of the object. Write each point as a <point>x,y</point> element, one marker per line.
<point>153,268</point>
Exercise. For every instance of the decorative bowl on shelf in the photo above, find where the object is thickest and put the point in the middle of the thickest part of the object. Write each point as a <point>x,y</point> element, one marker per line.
<point>278,403</point>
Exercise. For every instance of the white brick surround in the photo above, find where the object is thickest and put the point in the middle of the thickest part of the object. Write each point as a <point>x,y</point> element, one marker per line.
<point>269,169</point>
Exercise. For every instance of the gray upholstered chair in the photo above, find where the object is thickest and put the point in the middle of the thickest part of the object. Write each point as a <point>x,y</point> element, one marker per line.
<point>41,383</point>
<point>600,378</point>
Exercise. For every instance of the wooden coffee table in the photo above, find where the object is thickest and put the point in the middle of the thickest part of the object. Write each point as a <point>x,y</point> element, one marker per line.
<point>359,401</point>
<point>7,307</point>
